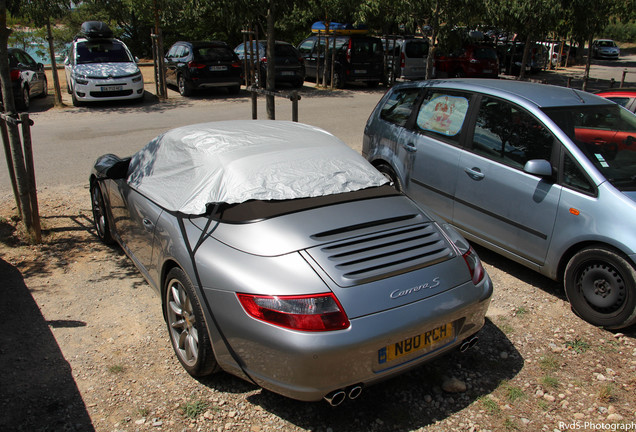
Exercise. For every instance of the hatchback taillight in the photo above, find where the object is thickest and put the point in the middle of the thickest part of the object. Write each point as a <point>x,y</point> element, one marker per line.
<point>319,312</point>
<point>402,60</point>
<point>15,75</point>
<point>195,65</point>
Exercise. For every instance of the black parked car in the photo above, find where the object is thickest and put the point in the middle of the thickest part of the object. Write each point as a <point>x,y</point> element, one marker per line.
<point>27,78</point>
<point>358,58</point>
<point>290,67</point>
<point>198,65</point>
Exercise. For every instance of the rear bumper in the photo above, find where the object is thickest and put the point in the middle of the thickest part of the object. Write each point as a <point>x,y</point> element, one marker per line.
<point>308,366</point>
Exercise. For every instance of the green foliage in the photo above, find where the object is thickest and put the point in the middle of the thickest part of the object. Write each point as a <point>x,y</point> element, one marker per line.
<point>194,409</point>
<point>578,345</point>
<point>623,32</point>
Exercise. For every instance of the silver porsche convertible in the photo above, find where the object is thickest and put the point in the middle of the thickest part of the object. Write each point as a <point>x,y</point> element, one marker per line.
<point>283,257</point>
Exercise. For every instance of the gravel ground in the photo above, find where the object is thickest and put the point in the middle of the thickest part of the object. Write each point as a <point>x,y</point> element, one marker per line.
<point>83,346</point>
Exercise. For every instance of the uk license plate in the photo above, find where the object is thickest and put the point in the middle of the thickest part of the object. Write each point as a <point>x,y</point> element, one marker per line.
<point>421,343</point>
<point>111,88</point>
<point>287,73</point>
<point>218,68</point>
<point>360,71</point>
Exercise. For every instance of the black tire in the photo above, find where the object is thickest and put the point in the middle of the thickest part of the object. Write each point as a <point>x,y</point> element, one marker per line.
<point>45,89</point>
<point>338,79</point>
<point>24,102</point>
<point>186,325</point>
<point>601,287</point>
<point>100,215</point>
<point>76,102</point>
<point>373,84</point>
<point>459,73</point>
<point>233,90</point>
<point>184,87</point>
<point>388,172</point>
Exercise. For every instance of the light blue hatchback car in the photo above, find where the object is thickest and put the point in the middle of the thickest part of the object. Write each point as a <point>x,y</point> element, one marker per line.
<point>543,175</point>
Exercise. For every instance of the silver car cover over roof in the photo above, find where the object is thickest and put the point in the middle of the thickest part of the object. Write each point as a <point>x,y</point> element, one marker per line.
<point>187,168</point>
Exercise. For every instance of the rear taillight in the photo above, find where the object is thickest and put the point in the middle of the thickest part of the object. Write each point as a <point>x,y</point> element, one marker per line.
<point>236,64</point>
<point>15,75</point>
<point>314,313</point>
<point>349,50</point>
<point>475,266</point>
<point>195,65</point>
<point>402,60</point>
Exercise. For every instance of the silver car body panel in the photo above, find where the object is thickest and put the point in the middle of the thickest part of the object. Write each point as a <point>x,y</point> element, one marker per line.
<point>527,218</point>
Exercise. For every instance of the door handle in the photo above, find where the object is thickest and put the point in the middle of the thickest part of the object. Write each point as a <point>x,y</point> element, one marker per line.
<point>409,147</point>
<point>474,173</point>
<point>147,223</point>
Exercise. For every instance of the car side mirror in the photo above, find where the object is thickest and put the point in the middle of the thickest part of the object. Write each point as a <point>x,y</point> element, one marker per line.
<point>136,59</point>
<point>40,67</point>
<point>538,167</point>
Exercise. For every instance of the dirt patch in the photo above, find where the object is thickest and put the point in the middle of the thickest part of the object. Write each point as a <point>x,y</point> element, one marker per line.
<point>83,346</point>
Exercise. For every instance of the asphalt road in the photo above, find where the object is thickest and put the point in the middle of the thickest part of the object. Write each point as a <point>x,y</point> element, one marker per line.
<point>66,141</point>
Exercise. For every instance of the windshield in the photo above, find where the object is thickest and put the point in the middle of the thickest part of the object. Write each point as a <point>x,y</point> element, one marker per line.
<point>607,136</point>
<point>102,51</point>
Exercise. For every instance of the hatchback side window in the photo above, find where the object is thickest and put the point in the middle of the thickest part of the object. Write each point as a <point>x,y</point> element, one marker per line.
<point>306,47</point>
<point>510,135</point>
<point>443,113</point>
<point>573,177</point>
<point>398,107</point>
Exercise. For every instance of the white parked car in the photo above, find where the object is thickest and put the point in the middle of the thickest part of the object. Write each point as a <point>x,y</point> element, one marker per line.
<point>101,68</point>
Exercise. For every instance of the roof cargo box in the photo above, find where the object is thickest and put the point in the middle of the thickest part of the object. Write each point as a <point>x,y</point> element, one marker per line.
<point>96,29</point>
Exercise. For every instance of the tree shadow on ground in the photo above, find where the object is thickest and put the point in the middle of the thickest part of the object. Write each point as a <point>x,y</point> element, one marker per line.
<point>38,389</point>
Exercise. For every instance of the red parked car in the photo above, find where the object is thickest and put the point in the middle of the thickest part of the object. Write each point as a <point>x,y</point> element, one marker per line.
<point>625,97</point>
<point>471,61</point>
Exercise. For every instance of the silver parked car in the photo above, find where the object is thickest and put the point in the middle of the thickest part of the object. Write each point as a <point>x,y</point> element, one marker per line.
<point>544,175</point>
<point>605,48</point>
<point>283,257</point>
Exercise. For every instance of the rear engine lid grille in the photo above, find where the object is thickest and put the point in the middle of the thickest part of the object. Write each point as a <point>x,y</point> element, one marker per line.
<point>382,254</point>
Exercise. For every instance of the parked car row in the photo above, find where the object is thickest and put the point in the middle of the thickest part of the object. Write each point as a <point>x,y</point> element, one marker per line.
<point>100,67</point>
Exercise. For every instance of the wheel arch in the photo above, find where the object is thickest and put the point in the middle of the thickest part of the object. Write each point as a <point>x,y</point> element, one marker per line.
<point>575,248</point>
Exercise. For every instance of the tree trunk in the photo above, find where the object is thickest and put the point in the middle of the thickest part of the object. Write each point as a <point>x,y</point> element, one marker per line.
<point>524,59</point>
<point>57,97</point>
<point>430,60</point>
<point>13,133</point>
<point>271,63</point>
<point>588,63</point>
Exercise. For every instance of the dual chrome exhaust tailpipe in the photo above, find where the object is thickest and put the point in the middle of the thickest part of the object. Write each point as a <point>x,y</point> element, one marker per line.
<point>468,343</point>
<point>337,397</point>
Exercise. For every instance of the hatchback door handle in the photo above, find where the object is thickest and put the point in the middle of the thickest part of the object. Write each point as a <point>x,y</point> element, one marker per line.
<point>147,223</point>
<point>474,173</point>
<point>409,147</point>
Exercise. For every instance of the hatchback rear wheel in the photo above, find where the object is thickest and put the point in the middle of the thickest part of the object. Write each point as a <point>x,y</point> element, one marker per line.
<point>184,87</point>
<point>186,325</point>
<point>601,287</point>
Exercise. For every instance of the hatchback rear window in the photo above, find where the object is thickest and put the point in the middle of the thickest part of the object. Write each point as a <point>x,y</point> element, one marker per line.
<point>485,53</point>
<point>212,53</point>
<point>416,49</point>
<point>283,50</point>
<point>398,107</point>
